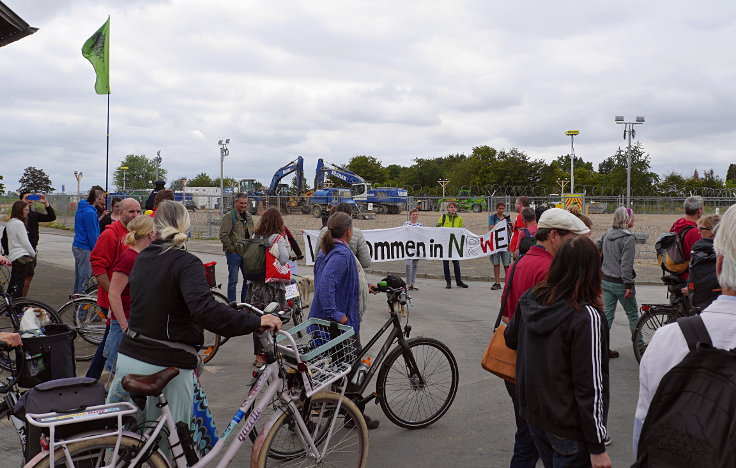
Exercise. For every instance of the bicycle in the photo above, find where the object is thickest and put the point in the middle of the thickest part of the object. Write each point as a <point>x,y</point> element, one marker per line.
<point>213,342</point>
<point>418,381</point>
<point>655,316</point>
<point>326,425</point>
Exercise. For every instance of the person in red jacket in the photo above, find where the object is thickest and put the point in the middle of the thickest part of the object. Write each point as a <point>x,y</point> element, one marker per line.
<point>106,252</point>
<point>553,227</point>
<point>521,203</point>
<point>693,211</point>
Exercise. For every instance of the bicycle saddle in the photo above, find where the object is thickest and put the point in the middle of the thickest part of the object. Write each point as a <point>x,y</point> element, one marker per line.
<point>149,385</point>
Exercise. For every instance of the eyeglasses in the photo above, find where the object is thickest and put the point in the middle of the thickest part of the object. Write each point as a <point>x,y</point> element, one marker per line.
<point>704,229</point>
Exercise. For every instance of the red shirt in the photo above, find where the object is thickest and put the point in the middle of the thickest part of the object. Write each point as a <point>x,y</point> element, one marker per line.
<point>515,237</point>
<point>107,250</point>
<point>124,265</point>
<point>529,271</point>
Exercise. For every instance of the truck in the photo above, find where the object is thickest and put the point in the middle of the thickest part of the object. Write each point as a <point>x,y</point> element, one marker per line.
<point>390,200</point>
<point>322,199</point>
<point>465,202</point>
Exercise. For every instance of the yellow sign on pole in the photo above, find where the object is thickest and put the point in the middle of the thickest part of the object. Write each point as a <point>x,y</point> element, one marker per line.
<point>573,199</point>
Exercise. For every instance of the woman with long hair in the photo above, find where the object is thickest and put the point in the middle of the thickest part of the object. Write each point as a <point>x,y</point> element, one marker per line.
<point>562,361</point>
<point>113,215</point>
<point>618,247</point>
<point>260,292</point>
<point>140,236</point>
<point>20,250</point>
<point>170,304</point>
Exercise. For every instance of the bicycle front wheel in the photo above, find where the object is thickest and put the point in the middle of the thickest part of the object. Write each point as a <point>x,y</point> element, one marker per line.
<point>212,341</point>
<point>89,320</point>
<point>6,323</point>
<point>417,398</point>
<point>100,452</point>
<point>648,323</point>
<point>345,446</point>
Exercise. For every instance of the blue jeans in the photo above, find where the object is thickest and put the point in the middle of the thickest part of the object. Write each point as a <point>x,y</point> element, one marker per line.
<point>82,269</point>
<point>411,271</point>
<point>525,452</point>
<point>98,361</point>
<point>235,265</point>
<point>557,452</point>
<point>110,352</point>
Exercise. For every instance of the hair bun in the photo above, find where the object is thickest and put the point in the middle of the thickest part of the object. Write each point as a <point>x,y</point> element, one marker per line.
<point>179,239</point>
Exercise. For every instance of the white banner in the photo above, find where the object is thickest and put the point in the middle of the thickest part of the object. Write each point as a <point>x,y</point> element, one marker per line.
<point>427,243</point>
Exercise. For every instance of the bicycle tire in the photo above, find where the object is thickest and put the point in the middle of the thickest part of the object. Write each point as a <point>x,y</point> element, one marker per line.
<point>649,322</point>
<point>85,316</point>
<point>349,438</point>
<point>85,452</point>
<point>403,398</point>
<point>212,341</point>
<point>6,324</point>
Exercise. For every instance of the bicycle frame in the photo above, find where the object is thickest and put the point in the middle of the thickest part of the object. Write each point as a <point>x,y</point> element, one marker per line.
<point>271,372</point>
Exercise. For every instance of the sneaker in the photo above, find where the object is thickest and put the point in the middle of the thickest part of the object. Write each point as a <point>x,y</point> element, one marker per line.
<point>496,286</point>
<point>449,286</point>
<point>613,354</point>
<point>462,285</point>
<point>370,422</point>
<point>607,440</point>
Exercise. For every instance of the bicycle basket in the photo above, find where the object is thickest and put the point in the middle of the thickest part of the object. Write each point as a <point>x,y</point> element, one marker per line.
<point>209,273</point>
<point>48,357</point>
<point>327,348</point>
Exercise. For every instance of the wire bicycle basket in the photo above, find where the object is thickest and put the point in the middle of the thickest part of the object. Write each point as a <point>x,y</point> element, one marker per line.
<point>326,348</point>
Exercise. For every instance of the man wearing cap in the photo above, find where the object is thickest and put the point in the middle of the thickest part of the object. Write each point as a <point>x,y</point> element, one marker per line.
<point>160,184</point>
<point>553,227</point>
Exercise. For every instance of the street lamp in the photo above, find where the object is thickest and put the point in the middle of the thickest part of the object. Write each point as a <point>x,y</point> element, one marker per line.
<point>124,168</point>
<point>630,132</point>
<point>572,134</point>
<point>223,152</point>
<point>157,159</point>
<point>78,176</point>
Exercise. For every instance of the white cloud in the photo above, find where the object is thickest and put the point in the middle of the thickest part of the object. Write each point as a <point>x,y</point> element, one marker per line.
<point>397,80</point>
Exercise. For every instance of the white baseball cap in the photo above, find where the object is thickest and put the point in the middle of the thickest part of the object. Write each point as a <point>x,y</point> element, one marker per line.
<point>557,218</point>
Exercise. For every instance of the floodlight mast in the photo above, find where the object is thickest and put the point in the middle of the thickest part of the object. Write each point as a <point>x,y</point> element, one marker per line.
<point>628,132</point>
<point>572,134</point>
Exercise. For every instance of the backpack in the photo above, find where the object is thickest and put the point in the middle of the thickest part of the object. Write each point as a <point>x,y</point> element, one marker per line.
<point>526,242</point>
<point>253,253</point>
<point>690,421</point>
<point>670,253</point>
<point>703,282</point>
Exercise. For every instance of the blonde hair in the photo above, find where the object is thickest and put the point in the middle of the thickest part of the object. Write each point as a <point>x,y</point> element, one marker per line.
<point>725,245</point>
<point>139,227</point>
<point>710,221</point>
<point>172,222</point>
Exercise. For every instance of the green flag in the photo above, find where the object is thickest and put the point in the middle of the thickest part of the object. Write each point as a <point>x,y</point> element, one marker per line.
<point>97,51</point>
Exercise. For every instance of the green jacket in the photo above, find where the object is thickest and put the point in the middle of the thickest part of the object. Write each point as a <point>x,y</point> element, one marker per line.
<point>233,229</point>
<point>447,220</point>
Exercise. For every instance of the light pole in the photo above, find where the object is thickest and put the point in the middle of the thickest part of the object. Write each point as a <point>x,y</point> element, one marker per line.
<point>78,176</point>
<point>124,168</point>
<point>157,159</point>
<point>223,152</point>
<point>630,132</point>
<point>572,134</point>
<point>443,183</point>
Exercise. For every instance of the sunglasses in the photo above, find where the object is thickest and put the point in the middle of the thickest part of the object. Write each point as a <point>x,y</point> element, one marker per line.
<point>704,229</point>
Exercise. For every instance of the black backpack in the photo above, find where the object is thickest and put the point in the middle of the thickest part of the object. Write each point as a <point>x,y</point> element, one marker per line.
<point>526,242</point>
<point>702,278</point>
<point>692,418</point>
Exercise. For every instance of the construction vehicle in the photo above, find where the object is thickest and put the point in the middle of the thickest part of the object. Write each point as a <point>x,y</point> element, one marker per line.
<point>464,201</point>
<point>390,200</point>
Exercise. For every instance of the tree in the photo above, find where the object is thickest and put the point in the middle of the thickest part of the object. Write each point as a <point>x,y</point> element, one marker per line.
<point>229,182</point>
<point>731,173</point>
<point>614,168</point>
<point>140,172</point>
<point>201,180</point>
<point>2,186</point>
<point>35,180</point>
<point>368,168</point>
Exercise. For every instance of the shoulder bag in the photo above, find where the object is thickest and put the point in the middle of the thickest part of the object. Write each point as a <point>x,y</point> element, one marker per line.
<point>499,359</point>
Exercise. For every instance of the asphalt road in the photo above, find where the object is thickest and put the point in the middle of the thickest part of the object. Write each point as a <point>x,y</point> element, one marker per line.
<point>477,431</point>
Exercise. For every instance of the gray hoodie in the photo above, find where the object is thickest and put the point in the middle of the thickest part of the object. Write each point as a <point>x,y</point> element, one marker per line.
<point>618,247</point>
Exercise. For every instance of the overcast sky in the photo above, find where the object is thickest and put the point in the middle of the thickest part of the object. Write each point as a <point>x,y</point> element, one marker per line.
<point>393,79</point>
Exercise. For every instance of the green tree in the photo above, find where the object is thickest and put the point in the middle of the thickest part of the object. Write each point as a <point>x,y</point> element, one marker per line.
<point>35,180</point>
<point>731,173</point>
<point>425,172</point>
<point>229,182</point>
<point>201,180</point>
<point>2,186</point>
<point>140,173</point>
<point>613,168</point>
<point>368,168</point>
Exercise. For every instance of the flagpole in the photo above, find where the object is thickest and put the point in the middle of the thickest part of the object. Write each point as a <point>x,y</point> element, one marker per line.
<point>107,152</point>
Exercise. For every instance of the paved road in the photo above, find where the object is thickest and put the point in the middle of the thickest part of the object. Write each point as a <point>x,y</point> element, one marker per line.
<point>478,429</point>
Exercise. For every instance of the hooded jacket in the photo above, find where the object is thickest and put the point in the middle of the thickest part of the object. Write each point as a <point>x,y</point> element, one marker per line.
<point>703,281</point>
<point>690,238</point>
<point>618,247</point>
<point>86,226</point>
<point>562,369</point>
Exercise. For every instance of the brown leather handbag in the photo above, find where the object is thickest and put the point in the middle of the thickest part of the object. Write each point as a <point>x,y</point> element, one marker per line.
<point>499,359</point>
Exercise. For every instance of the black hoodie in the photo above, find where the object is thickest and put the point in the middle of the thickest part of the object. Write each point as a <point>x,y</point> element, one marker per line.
<point>562,369</point>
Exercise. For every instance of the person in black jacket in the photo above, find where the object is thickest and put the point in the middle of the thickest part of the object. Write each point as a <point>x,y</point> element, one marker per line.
<point>562,363</point>
<point>170,305</point>
<point>34,217</point>
<point>702,281</point>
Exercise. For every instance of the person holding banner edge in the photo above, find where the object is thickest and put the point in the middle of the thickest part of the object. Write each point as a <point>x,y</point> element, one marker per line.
<point>452,220</point>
